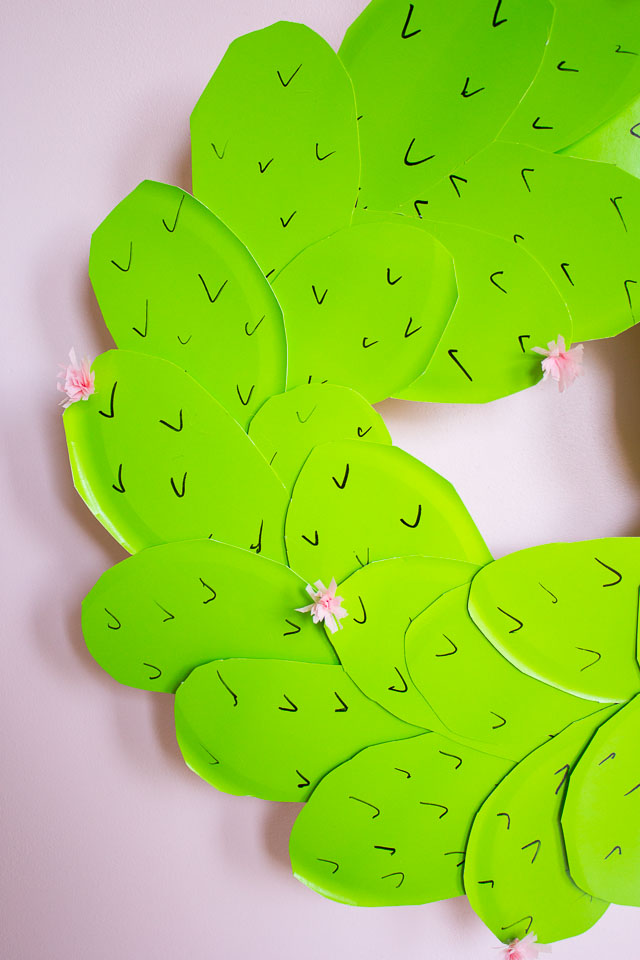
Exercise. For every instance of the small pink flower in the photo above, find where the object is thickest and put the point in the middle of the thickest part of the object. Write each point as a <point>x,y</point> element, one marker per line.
<point>326,606</point>
<point>78,379</point>
<point>562,365</point>
<point>526,949</point>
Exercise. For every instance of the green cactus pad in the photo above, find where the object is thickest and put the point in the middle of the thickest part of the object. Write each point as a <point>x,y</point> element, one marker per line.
<point>435,83</point>
<point>366,307</point>
<point>508,711</point>
<point>151,619</point>
<point>601,816</point>
<point>515,873</point>
<point>289,426</point>
<point>273,728</point>
<point>566,613</point>
<point>614,142</point>
<point>157,459</point>
<point>390,826</point>
<point>580,220</point>
<point>355,502</point>
<point>275,142</point>
<point>589,72</point>
<point>476,362</point>
<point>383,598</point>
<point>174,282</point>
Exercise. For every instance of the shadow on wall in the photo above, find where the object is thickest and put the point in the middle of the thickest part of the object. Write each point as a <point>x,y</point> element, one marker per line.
<point>621,358</point>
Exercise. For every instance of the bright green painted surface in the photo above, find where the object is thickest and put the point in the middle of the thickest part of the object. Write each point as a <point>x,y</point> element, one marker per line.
<point>590,70</point>
<point>275,142</point>
<point>566,613</point>
<point>474,691</point>
<point>291,424</point>
<point>435,83</point>
<point>391,826</point>
<point>354,503</point>
<point>273,728</point>
<point>561,210</point>
<point>157,459</point>
<point>172,281</point>
<point>366,307</point>
<point>601,817</point>
<point>506,305</point>
<point>151,619</point>
<point>515,873</point>
<point>383,598</point>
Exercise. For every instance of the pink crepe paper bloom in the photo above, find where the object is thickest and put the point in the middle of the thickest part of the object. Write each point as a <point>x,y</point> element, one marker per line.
<point>527,949</point>
<point>326,606</point>
<point>78,379</point>
<point>562,365</point>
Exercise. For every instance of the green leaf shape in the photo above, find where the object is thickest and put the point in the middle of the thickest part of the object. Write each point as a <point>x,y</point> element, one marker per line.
<point>151,619</point>
<point>354,503</point>
<point>600,820</point>
<point>509,712</point>
<point>561,211</point>
<point>566,613</point>
<point>157,459</point>
<point>390,826</point>
<point>174,282</point>
<point>590,70</point>
<point>365,307</point>
<point>290,425</point>
<point>274,728</point>
<point>475,363</point>
<point>383,598</point>
<point>616,141</point>
<point>275,142</point>
<point>515,872</point>
<point>434,84</point>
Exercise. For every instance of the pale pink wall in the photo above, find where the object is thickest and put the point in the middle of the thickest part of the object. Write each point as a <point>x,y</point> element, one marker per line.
<point>112,849</point>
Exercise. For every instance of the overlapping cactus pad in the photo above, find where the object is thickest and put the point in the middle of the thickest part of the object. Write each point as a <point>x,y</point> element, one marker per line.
<point>405,218</point>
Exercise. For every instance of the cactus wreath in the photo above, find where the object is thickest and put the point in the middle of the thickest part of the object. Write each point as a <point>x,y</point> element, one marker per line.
<point>456,724</point>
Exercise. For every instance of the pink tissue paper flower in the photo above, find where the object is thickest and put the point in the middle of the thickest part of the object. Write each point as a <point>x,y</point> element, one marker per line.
<point>78,379</point>
<point>326,606</point>
<point>562,365</point>
<point>526,949</point>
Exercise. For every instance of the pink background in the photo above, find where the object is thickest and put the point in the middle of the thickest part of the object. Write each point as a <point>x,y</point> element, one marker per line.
<point>112,848</point>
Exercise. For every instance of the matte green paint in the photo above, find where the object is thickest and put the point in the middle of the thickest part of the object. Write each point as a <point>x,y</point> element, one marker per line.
<point>275,142</point>
<point>601,816</point>
<point>579,219</point>
<point>566,613</point>
<point>434,84</point>
<point>515,873</point>
<point>506,305</point>
<point>151,619</point>
<point>474,691</point>
<point>366,307</point>
<point>157,459</point>
<point>590,70</point>
<point>290,425</point>
<point>174,282</point>
<point>392,593</point>
<point>390,826</point>
<point>273,728</point>
<point>354,503</point>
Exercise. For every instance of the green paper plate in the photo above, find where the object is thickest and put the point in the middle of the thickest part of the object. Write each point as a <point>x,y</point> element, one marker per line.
<point>151,619</point>
<point>354,503</point>
<point>174,282</point>
<point>290,425</point>
<point>157,459</point>
<point>272,728</point>
<point>566,613</point>
<point>515,872</point>
<point>390,826</point>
